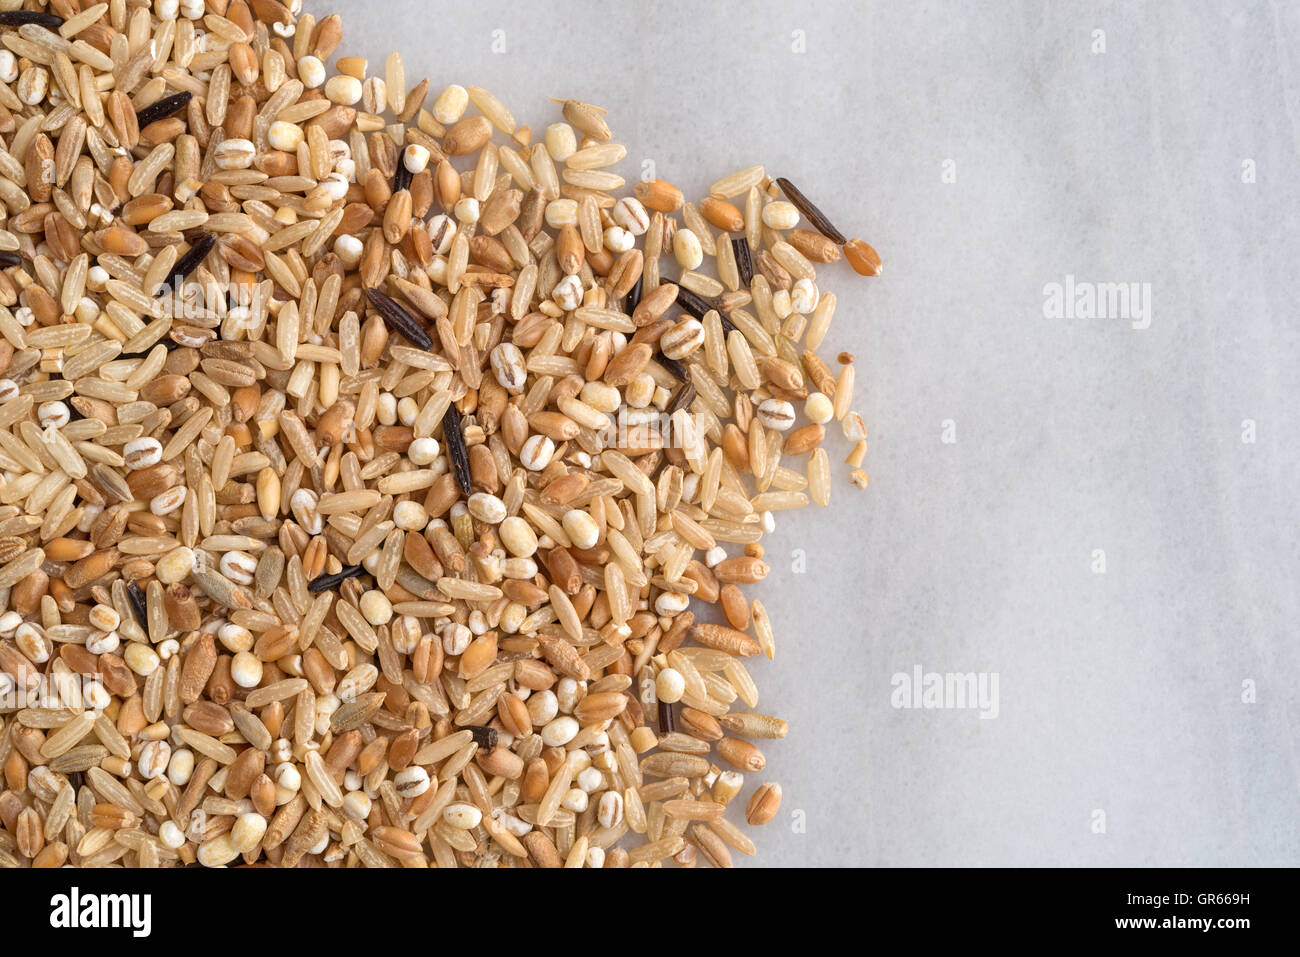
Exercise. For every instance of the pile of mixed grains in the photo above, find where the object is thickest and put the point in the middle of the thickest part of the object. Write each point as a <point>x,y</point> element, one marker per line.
<point>365,459</point>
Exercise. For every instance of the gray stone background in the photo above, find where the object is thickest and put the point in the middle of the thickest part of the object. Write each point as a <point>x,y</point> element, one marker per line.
<point>1119,692</point>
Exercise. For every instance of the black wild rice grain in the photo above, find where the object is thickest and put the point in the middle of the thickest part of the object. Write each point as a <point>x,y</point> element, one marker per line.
<point>666,723</point>
<point>18,18</point>
<point>455,439</point>
<point>698,307</point>
<point>673,366</point>
<point>163,108</point>
<point>399,320</point>
<point>484,737</point>
<point>811,212</point>
<point>683,398</point>
<point>189,262</point>
<point>633,298</point>
<point>402,178</point>
<point>326,582</point>
<point>10,259</point>
<point>744,262</point>
<point>139,607</point>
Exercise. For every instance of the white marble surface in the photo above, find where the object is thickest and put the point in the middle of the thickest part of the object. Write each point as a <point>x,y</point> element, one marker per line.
<point>1119,691</point>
